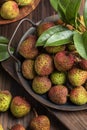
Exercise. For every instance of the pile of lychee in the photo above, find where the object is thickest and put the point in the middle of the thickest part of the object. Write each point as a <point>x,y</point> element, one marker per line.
<point>58,72</point>
<point>10,9</point>
<point>20,107</point>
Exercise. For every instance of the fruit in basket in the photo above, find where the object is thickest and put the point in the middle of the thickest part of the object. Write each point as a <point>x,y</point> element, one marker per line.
<point>58,78</point>
<point>55,49</point>
<point>41,84</point>
<point>1,128</point>
<point>27,48</point>
<point>44,64</point>
<point>5,100</point>
<point>78,95</point>
<point>63,60</point>
<point>9,10</point>
<point>23,2</point>
<point>17,127</point>
<point>28,69</point>
<point>19,107</point>
<point>43,27</point>
<point>40,122</point>
<point>77,77</point>
<point>58,94</point>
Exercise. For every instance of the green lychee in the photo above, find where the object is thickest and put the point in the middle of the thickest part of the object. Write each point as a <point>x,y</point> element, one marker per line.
<point>63,61</point>
<point>58,94</point>
<point>58,78</point>
<point>28,69</point>
<point>19,107</point>
<point>41,122</point>
<point>27,48</point>
<point>9,10</point>
<point>44,64</point>
<point>17,127</point>
<point>77,77</point>
<point>55,49</point>
<point>23,2</point>
<point>5,100</point>
<point>41,85</point>
<point>78,95</point>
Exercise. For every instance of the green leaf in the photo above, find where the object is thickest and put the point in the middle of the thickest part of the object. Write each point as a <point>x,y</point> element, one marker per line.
<point>60,38</point>
<point>3,52</point>
<point>48,33</point>
<point>3,40</point>
<point>72,11</point>
<point>85,13</point>
<point>80,41</point>
<point>54,4</point>
<point>62,4</point>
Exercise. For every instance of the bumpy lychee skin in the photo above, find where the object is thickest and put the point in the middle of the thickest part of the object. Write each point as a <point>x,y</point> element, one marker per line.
<point>40,122</point>
<point>44,64</point>
<point>17,127</point>
<point>78,95</point>
<point>5,100</point>
<point>9,10</point>
<point>19,107</point>
<point>58,94</point>
<point>83,64</point>
<point>27,48</point>
<point>63,61</point>
<point>43,27</point>
<point>28,69</point>
<point>55,49</point>
<point>58,78</point>
<point>23,2</point>
<point>41,85</point>
<point>77,77</point>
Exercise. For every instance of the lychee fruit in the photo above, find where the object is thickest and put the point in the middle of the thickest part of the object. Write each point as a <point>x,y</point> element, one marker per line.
<point>28,69</point>
<point>58,94</point>
<point>55,49</point>
<point>58,78</point>
<point>5,100</point>
<point>43,27</point>
<point>17,127</point>
<point>27,48</point>
<point>19,107</point>
<point>9,10</point>
<point>44,64</point>
<point>77,77</point>
<point>78,95</point>
<point>83,64</point>
<point>40,122</point>
<point>23,2</point>
<point>63,61</point>
<point>41,85</point>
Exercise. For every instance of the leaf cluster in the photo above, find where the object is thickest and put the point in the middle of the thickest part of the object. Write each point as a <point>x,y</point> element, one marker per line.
<point>68,12</point>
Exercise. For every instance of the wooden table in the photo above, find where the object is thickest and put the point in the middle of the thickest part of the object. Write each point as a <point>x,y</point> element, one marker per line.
<point>60,120</point>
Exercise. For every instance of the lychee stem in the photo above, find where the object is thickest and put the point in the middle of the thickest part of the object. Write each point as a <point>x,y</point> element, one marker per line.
<point>35,112</point>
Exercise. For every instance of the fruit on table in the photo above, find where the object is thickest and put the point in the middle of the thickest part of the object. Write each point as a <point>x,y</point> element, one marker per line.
<point>17,127</point>
<point>58,78</point>
<point>19,107</point>
<point>41,85</point>
<point>5,100</point>
<point>43,64</point>
<point>58,94</point>
<point>78,95</point>
<point>28,69</point>
<point>9,10</point>
<point>63,61</point>
<point>23,2</point>
<point>77,76</point>
<point>1,128</point>
<point>40,122</point>
<point>27,48</point>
